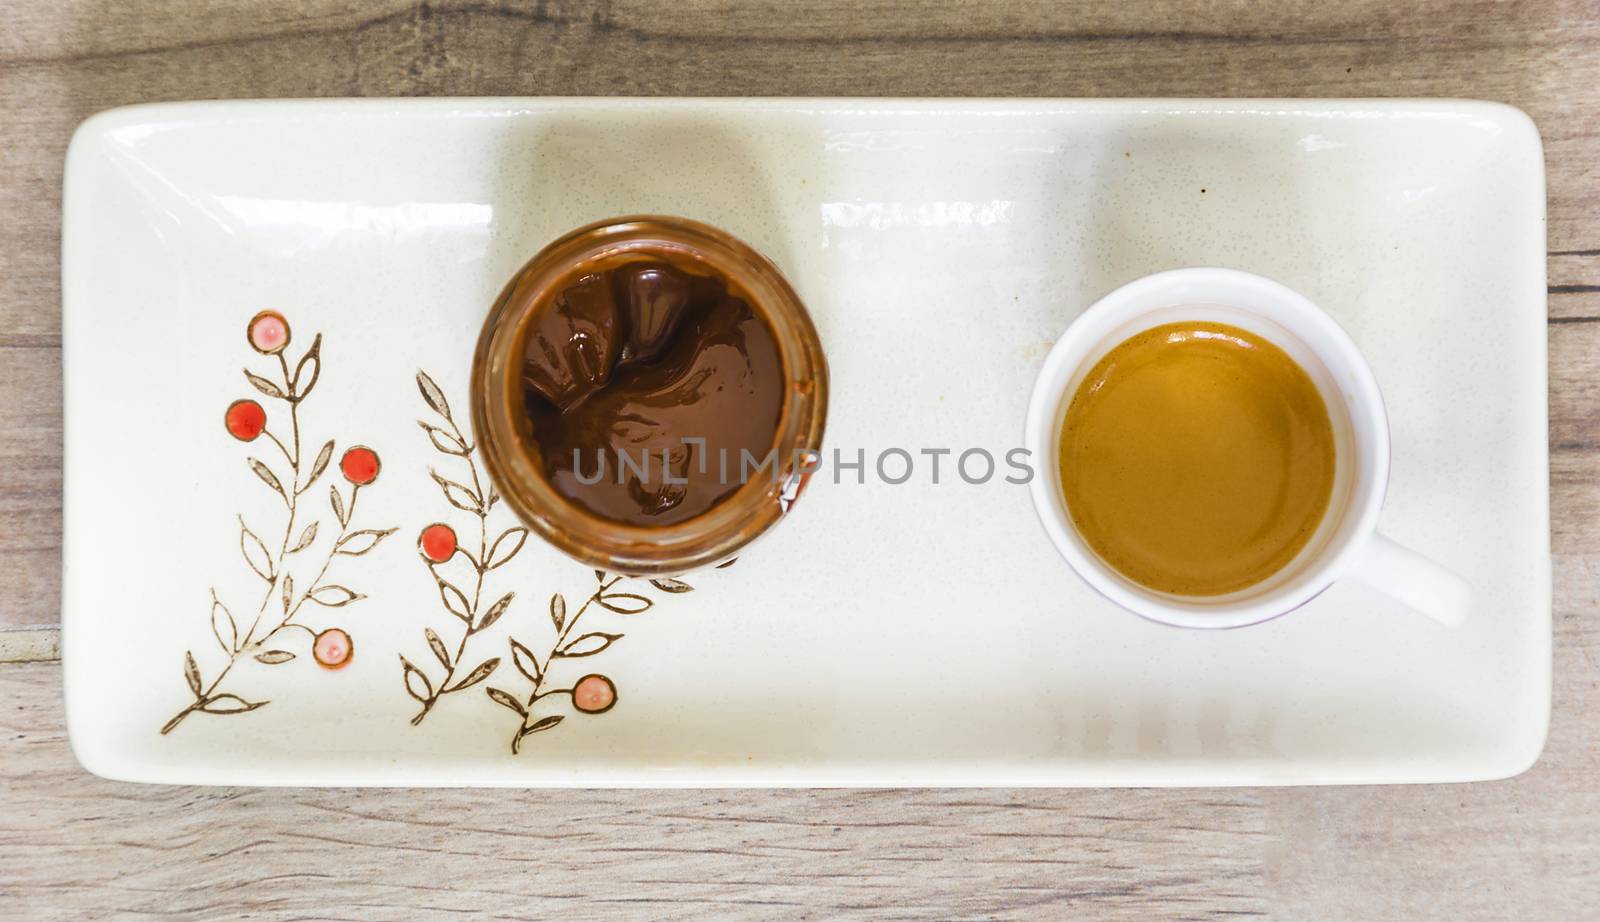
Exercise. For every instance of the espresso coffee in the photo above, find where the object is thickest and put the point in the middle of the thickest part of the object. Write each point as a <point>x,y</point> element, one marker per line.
<point>1197,458</point>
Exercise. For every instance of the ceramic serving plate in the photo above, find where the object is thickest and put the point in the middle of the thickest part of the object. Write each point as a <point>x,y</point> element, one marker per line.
<point>917,633</point>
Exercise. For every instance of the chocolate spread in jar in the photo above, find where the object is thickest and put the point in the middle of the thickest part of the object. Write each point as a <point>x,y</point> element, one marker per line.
<point>646,387</point>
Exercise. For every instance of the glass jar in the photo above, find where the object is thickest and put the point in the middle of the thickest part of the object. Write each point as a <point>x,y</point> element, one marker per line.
<point>513,460</point>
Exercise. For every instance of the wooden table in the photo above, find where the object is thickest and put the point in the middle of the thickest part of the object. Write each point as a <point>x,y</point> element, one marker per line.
<point>72,845</point>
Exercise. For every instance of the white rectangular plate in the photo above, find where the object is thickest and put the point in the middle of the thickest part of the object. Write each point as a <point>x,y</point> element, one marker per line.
<point>919,634</point>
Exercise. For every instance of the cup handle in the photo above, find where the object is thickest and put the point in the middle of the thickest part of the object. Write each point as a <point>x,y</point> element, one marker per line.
<point>1413,580</point>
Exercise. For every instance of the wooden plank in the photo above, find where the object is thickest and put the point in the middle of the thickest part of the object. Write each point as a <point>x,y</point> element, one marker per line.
<point>30,485</point>
<point>1574,437</point>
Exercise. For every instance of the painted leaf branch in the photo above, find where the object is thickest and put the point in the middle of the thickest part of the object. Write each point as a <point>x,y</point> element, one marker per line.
<point>246,420</point>
<point>591,693</point>
<point>438,547</point>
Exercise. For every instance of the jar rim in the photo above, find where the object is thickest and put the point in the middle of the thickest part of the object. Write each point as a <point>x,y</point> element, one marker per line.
<point>711,536</point>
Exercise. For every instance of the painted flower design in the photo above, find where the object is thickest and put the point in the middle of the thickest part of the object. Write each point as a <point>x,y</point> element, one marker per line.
<point>293,583</point>
<point>462,571</point>
<point>592,693</point>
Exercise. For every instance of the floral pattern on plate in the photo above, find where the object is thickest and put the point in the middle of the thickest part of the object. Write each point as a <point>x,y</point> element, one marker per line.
<point>448,560</point>
<point>267,638</point>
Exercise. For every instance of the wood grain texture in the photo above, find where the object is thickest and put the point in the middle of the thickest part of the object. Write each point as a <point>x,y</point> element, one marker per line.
<point>104,848</point>
<point>73,846</point>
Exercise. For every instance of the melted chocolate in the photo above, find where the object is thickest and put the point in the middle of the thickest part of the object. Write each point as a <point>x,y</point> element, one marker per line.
<point>626,363</point>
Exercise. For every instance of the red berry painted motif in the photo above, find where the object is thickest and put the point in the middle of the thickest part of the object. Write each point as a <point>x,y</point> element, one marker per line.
<point>245,420</point>
<point>333,649</point>
<point>268,333</point>
<point>437,542</point>
<point>594,694</point>
<point>284,382</point>
<point>360,465</point>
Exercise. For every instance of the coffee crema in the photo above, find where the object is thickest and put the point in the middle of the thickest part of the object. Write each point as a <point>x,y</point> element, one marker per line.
<point>1197,458</point>
<point>641,379</point>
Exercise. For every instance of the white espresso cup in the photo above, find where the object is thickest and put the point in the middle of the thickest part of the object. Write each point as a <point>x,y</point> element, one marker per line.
<point>1346,542</point>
